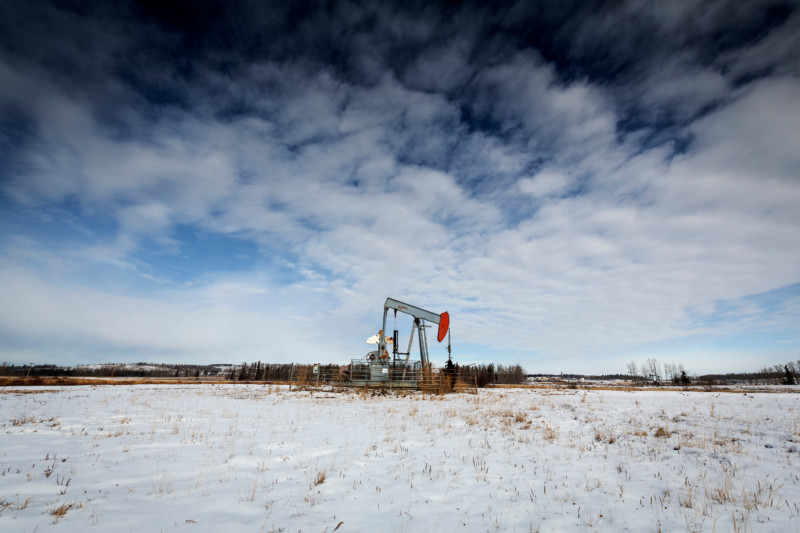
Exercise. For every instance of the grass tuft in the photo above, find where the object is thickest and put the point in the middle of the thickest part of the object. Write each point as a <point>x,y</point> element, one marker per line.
<point>62,509</point>
<point>662,433</point>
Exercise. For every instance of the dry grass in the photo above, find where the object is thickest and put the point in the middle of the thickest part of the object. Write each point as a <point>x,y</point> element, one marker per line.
<point>19,506</point>
<point>433,384</point>
<point>28,391</point>
<point>605,435</point>
<point>68,381</point>
<point>589,386</point>
<point>5,505</point>
<point>550,432</point>
<point>686,496</point>
<point>61,510</point>
<point>23,420</point>
<point>662,433</point>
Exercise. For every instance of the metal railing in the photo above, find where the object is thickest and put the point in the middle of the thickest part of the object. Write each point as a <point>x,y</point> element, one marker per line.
<point>400,376</point>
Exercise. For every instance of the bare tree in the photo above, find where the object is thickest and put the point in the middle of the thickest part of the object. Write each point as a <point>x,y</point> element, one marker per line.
<point>654,369</point>
<point>512,374</point>
<point>644,372</point>
<point>633,371</point>
<point>669,372</point>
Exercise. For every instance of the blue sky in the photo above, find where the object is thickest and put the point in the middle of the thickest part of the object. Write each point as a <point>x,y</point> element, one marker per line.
<point>579,186</point>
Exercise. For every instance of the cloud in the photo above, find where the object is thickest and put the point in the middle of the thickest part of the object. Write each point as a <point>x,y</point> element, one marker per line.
<point>224,321</point>
<point>764,145</point>
<point>544,184</point>
<point>525,98</point>
<point>443,68</point>
<point>560,212</point>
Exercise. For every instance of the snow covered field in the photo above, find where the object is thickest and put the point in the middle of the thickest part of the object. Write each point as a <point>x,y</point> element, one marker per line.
<point>257,458</point>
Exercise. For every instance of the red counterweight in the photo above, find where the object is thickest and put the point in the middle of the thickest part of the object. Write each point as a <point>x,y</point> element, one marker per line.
<point>444,325</point>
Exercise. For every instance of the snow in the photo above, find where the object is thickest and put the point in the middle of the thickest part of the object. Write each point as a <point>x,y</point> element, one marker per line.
<point>259,458</point>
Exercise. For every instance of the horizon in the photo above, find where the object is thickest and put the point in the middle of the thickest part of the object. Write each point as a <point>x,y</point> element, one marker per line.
<point>776,368</point>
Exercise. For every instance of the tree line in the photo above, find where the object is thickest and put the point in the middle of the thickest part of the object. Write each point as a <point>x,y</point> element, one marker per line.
<point>477,375</point>
<point>487,375</point>
<point>785,374</point>
<point>650,371</point>
<point>654,372</point>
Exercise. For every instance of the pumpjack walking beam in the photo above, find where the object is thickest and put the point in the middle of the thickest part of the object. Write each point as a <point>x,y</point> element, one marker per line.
<point>420,315</point>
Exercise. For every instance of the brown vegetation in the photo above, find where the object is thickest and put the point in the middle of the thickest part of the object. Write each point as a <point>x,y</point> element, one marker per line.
<point>66,381</point>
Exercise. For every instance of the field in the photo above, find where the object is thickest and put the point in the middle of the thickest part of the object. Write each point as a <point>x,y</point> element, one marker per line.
<point>263,458</point>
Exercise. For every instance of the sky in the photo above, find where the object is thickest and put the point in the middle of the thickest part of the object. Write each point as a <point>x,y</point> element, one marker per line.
<point>578,184</point>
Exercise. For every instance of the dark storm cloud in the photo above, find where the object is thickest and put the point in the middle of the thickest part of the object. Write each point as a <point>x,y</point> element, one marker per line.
<point>137,60</point>
<point>490,93</point>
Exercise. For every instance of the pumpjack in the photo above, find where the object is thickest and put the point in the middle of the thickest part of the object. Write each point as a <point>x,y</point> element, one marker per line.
<point>379,368</point>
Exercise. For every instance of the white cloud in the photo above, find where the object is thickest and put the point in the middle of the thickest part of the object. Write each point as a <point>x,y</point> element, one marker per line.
<point>547,117</point>
<point>545,183</point>
<point>755,137</point>
<point>231,320</point>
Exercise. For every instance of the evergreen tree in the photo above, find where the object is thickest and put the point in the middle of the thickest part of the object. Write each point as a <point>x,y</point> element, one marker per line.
<point>788,377</point>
